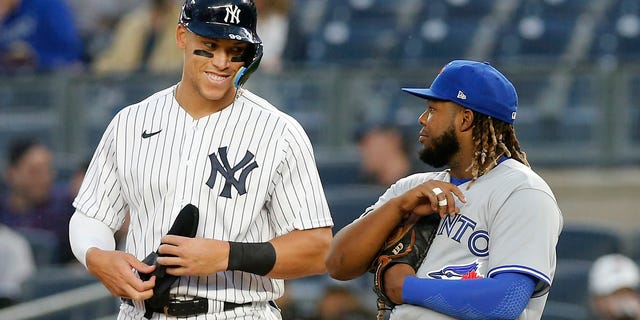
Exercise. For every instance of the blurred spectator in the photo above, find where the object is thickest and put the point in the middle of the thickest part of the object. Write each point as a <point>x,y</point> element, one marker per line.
<point>613,284</point>
<point>37,36</point>
<point>384,154</point>
<point>281,34</point>
<point>144,41</point>
<point>273,30</point>
<point>31,199</point>
<point>97,20</point>
<point>16,265</point>
<point>340,302</point>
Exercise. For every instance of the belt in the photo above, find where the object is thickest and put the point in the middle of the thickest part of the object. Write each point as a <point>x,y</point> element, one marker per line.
<point>191,307</point>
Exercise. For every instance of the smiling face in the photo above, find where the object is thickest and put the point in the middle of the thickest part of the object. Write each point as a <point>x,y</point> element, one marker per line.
<point>210,66</point>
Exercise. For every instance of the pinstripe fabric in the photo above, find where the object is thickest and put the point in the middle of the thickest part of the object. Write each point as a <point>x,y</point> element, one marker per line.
<point>154,177</point>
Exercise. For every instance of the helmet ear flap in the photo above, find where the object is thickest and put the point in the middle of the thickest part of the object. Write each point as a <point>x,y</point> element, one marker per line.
<point>252,62</point>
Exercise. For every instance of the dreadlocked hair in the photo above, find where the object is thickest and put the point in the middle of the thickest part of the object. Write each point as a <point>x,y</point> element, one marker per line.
<point>492,140</point>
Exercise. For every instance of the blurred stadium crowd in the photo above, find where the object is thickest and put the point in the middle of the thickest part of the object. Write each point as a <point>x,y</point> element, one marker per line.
<point>67,66</point>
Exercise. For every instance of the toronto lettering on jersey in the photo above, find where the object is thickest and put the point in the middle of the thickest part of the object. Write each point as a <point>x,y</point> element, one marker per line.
<point>458,225</point>
<point>228,172</point>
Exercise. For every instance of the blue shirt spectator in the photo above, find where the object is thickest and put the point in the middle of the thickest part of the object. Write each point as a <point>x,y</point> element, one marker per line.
<point>37,35</point>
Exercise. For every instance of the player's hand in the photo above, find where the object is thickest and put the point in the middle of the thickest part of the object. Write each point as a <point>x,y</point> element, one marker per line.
<point>394,279</point>
<point>433,196</point>
<point>193,256</point>
<point>115,269</point>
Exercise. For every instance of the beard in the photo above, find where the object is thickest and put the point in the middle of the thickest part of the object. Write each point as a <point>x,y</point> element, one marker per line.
<point>444,147</point>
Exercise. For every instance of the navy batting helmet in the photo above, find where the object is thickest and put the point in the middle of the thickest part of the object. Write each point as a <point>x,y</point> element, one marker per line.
<point>226,19</point>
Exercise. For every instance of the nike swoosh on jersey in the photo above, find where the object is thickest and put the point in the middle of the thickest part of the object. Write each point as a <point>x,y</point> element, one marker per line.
<point>147,135</point>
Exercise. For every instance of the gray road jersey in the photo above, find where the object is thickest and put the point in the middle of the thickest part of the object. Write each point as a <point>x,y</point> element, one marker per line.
<point>510,223</point>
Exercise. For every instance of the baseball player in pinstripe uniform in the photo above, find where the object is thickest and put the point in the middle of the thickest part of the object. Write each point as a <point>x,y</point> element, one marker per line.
<point>246,166</point>
<point>493,255</point>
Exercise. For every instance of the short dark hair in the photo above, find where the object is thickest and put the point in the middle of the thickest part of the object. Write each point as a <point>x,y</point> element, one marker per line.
<point>19,147</point>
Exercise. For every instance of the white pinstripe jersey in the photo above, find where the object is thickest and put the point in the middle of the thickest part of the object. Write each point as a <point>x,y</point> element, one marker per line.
<point>510,223</point>
<point>249,168</point>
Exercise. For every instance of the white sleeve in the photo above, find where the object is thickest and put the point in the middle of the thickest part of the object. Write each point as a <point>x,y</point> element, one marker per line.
<point>86,233</point>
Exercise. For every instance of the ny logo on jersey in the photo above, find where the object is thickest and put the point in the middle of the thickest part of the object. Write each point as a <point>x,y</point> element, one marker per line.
<point>228,173</point>
<point>233,14</point>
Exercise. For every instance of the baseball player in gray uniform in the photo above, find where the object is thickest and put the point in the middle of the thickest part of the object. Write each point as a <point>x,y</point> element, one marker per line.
<point>247,167</point>
<point>493,255</point>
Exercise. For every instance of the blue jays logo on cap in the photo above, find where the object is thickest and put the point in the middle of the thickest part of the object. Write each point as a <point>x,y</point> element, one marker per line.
<point>474,85</point>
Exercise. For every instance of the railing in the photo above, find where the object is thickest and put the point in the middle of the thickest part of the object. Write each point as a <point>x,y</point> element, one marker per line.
<point>95,296</point>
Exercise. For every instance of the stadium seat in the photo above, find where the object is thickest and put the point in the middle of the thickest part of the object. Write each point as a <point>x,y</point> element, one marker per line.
<point>442,31</point>
<point>354,45</point>
<point>307,101</point>
<point>555,310</point>
<point>634,106</point>
<point>348,202</point>
<point>436,41</point>
<point>586,116</point>
<point>634,244</point>
<point>588,242</point>
<point>54,279</point>
<point>566,7</point>
<point>28,109</point>
<point>355,33</point>
<point>537,32</point>
<point>635,124</point>
<point>570,283</point>
<point>618,34</point>
<point>339,172</point>
<point>44,245</point>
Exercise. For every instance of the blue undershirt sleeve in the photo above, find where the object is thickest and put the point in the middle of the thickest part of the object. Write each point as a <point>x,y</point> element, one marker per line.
<point>502,297</point>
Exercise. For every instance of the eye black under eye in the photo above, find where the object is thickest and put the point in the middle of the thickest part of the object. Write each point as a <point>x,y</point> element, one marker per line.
<point>203,53</point>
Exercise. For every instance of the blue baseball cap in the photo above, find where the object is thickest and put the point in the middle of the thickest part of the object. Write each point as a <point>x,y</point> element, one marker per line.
<point>474,85</point>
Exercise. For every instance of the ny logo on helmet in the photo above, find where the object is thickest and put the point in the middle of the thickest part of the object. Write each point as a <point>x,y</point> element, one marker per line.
<point>233,14</point>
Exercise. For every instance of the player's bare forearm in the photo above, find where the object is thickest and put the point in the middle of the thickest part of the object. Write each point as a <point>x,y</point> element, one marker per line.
<point>297,254</point>
<point>301,253</point>
<point>114,270</point>
<point>187,256</point>
<point>394,279</point>
<point>355,245</point>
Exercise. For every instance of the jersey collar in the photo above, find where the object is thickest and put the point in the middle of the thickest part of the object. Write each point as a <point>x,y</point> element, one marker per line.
<point>459,181</point>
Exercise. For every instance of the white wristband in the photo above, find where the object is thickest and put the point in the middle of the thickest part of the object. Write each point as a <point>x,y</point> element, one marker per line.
<point>86,233</point>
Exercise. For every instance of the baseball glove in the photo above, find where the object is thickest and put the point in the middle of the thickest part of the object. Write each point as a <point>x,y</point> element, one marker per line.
<point>408,243</point>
